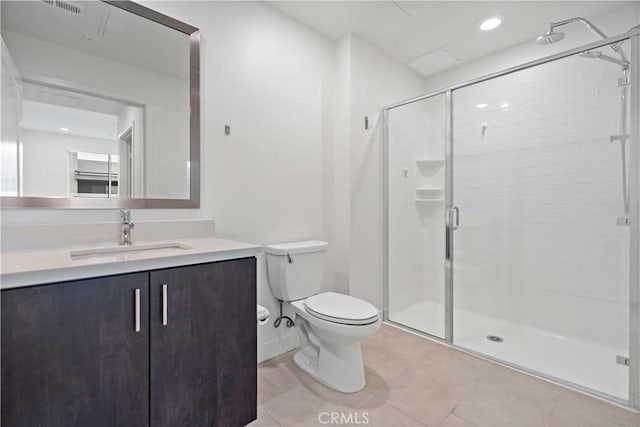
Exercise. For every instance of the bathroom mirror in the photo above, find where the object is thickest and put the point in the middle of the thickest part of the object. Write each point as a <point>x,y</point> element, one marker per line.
<point>100,106</point>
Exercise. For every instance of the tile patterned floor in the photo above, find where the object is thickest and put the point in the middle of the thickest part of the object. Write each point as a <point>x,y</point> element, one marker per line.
<point>412,381</point>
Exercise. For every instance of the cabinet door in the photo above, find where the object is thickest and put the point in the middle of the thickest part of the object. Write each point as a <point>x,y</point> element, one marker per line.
<point>71,355</point>
<point>203,352</point>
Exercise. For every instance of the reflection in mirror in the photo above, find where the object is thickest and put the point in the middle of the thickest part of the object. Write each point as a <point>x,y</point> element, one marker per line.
<point>95,103</point>
<point>58,126</point>
<point>94,174</point>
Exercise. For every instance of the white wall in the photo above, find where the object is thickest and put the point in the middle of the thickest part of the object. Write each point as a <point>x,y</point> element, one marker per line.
<point>375,80</point>
<point>339,211</point>
<point>270,79</point>
<point>46,160</point>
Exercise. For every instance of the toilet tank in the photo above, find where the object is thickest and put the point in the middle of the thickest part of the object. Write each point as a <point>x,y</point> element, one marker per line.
<point>296,269</point>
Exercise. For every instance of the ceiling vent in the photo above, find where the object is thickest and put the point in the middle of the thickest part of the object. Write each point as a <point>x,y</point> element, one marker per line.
<point>64,5</point>
<point>433,62</point>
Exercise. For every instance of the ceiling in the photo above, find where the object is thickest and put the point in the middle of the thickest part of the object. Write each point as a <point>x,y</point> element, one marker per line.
<point>52,118</point>
<point>70,99</point>
<point>102,30</point>
<point>435,35</point>
<point>49,109</point>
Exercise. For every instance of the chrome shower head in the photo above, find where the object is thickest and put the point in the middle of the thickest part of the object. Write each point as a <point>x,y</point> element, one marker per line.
<point>549,37</point>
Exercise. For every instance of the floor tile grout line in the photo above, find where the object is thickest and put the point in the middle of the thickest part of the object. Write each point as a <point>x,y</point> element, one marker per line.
<point>269,380</point>
<point>271,416</point>
<point>365,401</point>
<point>405,413</point>
<point>475,383</point>
<point>462,418</point>
<point>278,384</point>
<point>555,404</point>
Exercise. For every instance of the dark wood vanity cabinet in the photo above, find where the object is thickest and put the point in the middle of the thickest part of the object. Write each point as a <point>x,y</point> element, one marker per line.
<point>203,345</point>
<point>71,355</point>
<point>172,347</point>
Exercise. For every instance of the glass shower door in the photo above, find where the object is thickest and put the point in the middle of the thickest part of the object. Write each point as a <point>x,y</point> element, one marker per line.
<point>415,216</point>
<point>541,254</point>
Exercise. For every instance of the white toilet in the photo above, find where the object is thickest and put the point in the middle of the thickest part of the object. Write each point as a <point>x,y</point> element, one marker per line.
<point>330,325</point>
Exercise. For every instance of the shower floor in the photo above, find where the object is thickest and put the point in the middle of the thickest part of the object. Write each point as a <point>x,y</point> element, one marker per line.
<point>579,362</point>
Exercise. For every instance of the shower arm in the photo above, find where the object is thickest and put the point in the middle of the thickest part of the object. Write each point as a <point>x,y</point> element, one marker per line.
<point>623,64</point>
<point>593,29</point>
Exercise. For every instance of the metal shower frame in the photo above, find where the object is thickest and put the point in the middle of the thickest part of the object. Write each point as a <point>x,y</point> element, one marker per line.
<point>634,210</point>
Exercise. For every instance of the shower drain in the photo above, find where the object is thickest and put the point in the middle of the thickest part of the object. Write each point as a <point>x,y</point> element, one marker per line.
<point>494,338</point>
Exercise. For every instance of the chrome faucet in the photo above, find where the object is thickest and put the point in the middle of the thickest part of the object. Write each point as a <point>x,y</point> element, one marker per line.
<point>127,226</point>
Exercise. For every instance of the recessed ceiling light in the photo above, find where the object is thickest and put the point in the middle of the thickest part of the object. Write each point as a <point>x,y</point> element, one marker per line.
<point>483,105</point>
<point>505,105</point>
<point>64,129</point>
<point>491,23</point>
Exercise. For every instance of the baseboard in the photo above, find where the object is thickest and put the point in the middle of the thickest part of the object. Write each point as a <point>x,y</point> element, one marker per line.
<point>277,346</point>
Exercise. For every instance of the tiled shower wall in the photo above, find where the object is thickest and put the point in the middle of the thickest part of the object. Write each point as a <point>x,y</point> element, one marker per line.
<point>539,195</point>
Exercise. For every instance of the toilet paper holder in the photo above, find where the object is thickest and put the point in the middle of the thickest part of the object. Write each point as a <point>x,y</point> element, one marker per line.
<point>262,314</point>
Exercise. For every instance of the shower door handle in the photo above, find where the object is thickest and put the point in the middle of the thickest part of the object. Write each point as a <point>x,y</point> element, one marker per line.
<point>454,218</point>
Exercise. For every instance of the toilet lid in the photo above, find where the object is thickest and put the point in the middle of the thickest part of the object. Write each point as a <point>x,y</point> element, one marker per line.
<point>340,308</point>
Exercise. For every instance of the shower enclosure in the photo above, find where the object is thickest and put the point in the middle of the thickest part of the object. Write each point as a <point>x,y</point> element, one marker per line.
<point>512,219</point>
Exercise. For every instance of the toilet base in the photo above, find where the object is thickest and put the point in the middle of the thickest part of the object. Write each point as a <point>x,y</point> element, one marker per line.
<point>352,382</point>
<point>339,367</point>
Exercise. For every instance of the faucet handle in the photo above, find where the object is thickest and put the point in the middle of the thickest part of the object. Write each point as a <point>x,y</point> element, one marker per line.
<point>125,215</point>
<point>127,225</point>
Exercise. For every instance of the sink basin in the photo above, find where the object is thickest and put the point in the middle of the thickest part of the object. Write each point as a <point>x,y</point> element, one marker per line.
<point>126,250</point>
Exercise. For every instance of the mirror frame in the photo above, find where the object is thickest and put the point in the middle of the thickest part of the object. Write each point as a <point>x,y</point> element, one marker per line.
<point>194,135</point>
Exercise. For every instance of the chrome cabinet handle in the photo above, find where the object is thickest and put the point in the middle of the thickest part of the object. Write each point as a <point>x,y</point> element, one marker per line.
<point>457,223</point>
<point>165,304</point>
<point>136,310</point>
<point>454,223</point>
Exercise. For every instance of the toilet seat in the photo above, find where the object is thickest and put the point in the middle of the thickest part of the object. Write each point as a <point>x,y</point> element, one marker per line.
<point>341,309</point>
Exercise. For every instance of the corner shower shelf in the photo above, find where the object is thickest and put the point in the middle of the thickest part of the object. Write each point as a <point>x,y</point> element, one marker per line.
<point>428,202</point>
<point>429,196</point>
<point>431,164</point>
<point>429,193</point>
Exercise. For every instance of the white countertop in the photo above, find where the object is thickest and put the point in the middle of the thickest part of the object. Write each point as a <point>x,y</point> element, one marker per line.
<point>28,268</point>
